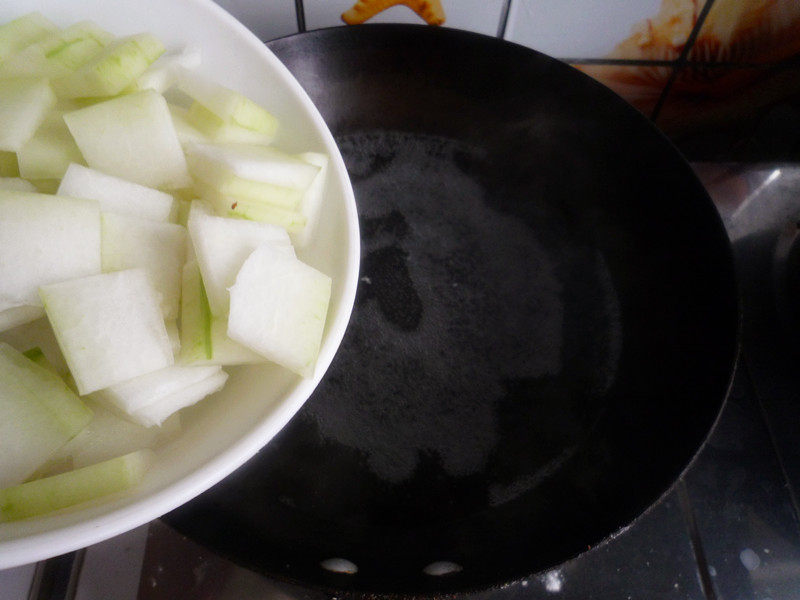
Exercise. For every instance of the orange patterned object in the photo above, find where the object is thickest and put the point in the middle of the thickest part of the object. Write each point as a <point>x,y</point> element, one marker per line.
<point>361,11</point>
<point>736,33</point>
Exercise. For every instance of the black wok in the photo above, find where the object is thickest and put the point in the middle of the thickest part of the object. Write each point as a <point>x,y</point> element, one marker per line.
<point>545,329</point>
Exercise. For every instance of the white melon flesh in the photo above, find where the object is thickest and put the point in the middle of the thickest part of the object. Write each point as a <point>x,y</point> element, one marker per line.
<point>251,162</point>
<point>258,209</point>
<point>116,195</point>
<point>258,183</point>
<point>108,435</point>
<point>50,151</point>
<point>204,338</point>
<point>74,487</point>
<point>16,184</point>
<point>38,415</point>
<point>187,133</point>
<point>278,308</point>
<point>174,333</point>
<point>159,248</point>
<point>157,412</point>
<point>113,69</point>
<point>18,315</point>
<point>163,73</point>
<point>23,31</point>
<point>227,352</point>
<point>312,201</point>
<point>109,327</point>
<point>221,246</point>
<point>131,137</point>
<point>151,398</point>
<point>222,180</point>
<point>24,104</point>
<point>44,239</point>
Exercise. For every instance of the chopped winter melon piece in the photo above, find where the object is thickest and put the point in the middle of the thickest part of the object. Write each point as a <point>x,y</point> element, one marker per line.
<point>183,204</point>
<point>116,195</point>
<point>23,31</point>
<point>254,182</point>
<point>37,355</point>
<point>187,133</point>
<point>18,315</point>
<point>34,354</point>
<point>151,398</point>
<point>46,495</point>
<point>226,183</point>
<point>38,414</point>
<point>23,106</point>
<point>16,184</point>
<point>174,333</point>
<point>8,164</point>
<point>253,210</point>
<point>45,239</point>
<point>195,317</point>
<point>159,248</point>
<point>45,186</point>
<point>230,106</point>
<point>163,73</point>
<point>204,339</point>
<point>156,412</point>
<point>131,137</point>
<point>312,200</point>
<point>113,69</point>
<point>221,245</point>
<point>278,308</point>
<point>108,435</point>
<point>59,53</point>
<point>227,352</point>
<point>214,129</point>
<point>50,151</point>
<point>109,327</point>
<point>251,162</point>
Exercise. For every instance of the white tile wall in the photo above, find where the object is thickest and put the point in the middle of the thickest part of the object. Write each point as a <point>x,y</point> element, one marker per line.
<point>268,19</point>
<point>481,16</point>
<point>575,28</point>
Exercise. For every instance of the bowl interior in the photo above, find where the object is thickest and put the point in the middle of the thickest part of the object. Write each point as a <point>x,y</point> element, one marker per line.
<point>223,431</point>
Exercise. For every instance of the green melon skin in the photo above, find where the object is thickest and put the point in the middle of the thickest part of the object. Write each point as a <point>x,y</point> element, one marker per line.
<point>72,488</point>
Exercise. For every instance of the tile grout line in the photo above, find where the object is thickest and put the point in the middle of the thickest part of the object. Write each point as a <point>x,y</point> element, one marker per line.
<point>680,63</point>
<point>696,542</point>
<point>300,13</point>
<point>503,24</point>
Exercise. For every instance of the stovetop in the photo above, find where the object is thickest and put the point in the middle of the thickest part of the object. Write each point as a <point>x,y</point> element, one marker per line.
<point>728,529</point>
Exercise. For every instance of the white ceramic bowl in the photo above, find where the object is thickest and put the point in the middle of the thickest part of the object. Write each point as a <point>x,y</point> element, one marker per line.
<point>222,432</point>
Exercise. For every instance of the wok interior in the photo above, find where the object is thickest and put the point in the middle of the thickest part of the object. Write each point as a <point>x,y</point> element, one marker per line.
<point>544,332</point>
